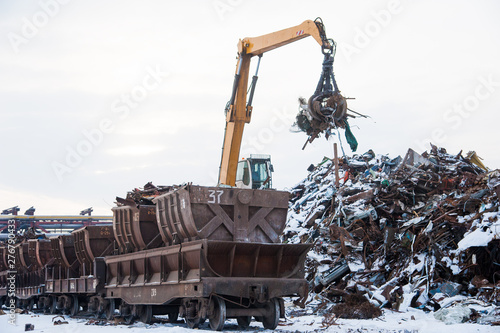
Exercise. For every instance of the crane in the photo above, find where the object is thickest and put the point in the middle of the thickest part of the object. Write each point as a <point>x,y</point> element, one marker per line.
<point>255,172</point>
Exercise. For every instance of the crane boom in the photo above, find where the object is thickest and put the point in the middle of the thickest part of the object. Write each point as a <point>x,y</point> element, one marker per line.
<point>258,45</point>
<point>238,111</point>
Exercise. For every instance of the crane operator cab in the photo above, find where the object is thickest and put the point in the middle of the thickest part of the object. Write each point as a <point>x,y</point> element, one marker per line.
<point>254,172</point>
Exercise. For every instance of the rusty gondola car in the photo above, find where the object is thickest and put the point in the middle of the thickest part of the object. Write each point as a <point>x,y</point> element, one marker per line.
<point>196,252</point>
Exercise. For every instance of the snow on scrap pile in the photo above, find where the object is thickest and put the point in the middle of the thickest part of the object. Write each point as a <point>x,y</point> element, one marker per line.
<point>421,232</point>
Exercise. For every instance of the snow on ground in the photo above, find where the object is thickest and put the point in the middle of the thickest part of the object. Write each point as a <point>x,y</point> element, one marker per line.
<point>413,321</point>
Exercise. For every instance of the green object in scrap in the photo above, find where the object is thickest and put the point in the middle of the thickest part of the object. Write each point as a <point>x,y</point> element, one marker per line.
<point>351,140</point>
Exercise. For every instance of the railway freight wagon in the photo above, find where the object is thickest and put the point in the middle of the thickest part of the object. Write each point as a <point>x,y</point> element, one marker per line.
<point>202,253</point>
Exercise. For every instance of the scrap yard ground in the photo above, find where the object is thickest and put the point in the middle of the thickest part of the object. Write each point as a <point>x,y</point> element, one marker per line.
<point>390,322</point>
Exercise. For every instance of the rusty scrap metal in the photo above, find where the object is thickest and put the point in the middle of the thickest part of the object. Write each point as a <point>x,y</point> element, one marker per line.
<point>412,213</point>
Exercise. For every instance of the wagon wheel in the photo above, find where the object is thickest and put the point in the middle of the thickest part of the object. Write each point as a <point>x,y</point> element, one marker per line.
<point>110,309</point>
<point>218,317</point>
<point>272,317</point>
<point>31,304</point>
<point>129,319</point>
<point>53,305</point>
<point>173,316</point>
<point>192,317</point>
<point>47,303</point>
<point>93,306</point>
<point>101,308</point>
<point>147,314</point>
<point>75,306</point>
<point>40,304</point>
<point>66,304</point>
<point>193,322</point>
<point>244,321</point>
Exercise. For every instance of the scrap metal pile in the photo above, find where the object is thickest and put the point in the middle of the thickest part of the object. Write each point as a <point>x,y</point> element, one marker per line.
<point>143,196</point>
<point>422,232</point>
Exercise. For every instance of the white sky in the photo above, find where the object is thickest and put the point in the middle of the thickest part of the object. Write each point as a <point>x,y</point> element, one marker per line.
<point>411,65</point>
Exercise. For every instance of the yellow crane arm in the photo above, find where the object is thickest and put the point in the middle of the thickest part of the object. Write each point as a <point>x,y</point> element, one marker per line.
<point>238,111</point>
<point>258,45</point>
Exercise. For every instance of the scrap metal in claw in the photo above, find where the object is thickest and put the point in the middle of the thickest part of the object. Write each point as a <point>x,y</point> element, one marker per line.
<point>329,109</point>
<point>326,108</point>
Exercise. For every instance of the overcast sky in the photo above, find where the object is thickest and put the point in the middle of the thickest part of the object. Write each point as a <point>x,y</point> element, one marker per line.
<point>99,97</point>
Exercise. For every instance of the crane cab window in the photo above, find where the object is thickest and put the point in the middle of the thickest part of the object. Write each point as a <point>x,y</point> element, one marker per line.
<point>243,173</point>
<point>260,174</point>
